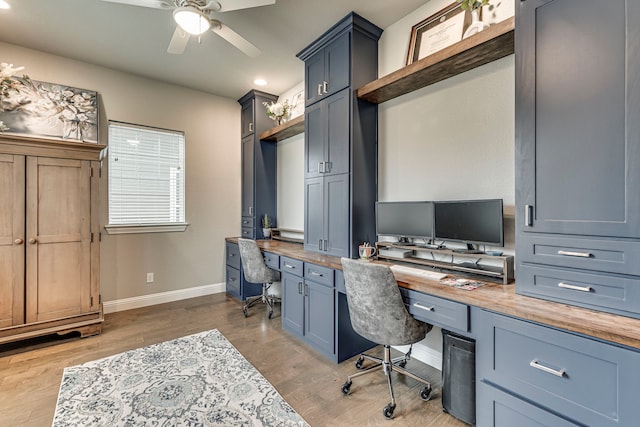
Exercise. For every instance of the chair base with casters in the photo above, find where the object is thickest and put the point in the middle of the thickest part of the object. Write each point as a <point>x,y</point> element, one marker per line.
<point>387,365</point>
<point>265,298</point>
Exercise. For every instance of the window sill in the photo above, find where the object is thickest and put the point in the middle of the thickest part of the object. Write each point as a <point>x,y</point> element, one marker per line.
<point>142,228</point>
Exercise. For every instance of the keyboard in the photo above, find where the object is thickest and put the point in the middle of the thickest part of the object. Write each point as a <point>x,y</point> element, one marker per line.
<point>418,272</point>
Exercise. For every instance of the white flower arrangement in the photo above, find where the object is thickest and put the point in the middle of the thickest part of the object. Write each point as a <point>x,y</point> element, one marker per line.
<point>3,127</point>
<point>278,110</point>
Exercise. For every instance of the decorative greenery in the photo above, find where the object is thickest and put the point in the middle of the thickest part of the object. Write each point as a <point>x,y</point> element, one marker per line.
<point>472,4</point>
<point>266,221</point>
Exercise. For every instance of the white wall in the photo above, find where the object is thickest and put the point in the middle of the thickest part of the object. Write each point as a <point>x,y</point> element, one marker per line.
<point>451,140</point>
<point>212,130</point>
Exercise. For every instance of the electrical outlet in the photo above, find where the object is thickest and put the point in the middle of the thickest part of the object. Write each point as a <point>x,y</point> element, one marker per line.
<point>149,277</point>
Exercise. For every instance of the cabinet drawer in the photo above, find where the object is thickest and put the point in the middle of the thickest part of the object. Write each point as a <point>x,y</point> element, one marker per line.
<point>292,266</point>
<point>319,274</point>
<point>437,311</point>
<point>248,221</point>
<point>612,256</point>
<point>272,260</point>
<point>340,282</point>
<point>585,380</point>
<point>605,292</point>
<point>495,408</point>
<point>247,232</point>
<point>233,282</point>
<point>233,256</point>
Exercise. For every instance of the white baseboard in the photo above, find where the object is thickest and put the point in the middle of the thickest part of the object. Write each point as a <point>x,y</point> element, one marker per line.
<point>161,298</point>
<point>424,354</point>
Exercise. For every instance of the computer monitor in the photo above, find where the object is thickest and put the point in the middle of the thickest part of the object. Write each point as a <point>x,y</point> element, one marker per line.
<point>405,219</point>
<point>470,221</point>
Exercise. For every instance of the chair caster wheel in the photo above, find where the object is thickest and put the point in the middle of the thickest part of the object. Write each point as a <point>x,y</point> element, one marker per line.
<point>245,312</point>
<point>359,362</point>
<point>402,363</point>
<point>270,314</point>
<point>425,393</point>
<point>346,387</point>
<point>388,411</point>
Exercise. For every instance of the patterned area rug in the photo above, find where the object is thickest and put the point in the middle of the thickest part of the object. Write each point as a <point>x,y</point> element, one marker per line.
<point>197,380</point>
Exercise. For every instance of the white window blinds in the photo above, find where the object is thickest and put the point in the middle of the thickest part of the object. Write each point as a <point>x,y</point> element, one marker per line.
<point>146,176</point>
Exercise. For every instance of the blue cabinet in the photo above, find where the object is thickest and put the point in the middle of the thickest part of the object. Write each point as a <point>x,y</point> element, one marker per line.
<point>236,285</point>
<point>340,138</point>
<point>308,303</point>
<point>258,165</point>
<point>586,382</point>
<point>577,174</point>
<point>327,70</point>
<point>326,223</point>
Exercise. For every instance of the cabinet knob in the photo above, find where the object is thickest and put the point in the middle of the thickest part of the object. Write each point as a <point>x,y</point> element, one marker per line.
<point>33,241</point>
<point>18,241</point>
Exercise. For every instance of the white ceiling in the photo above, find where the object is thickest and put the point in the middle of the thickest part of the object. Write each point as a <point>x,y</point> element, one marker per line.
<point>134,39</point>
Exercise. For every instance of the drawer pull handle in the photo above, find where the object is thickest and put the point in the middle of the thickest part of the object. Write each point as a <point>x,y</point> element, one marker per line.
<point>534,364</point>
<point>315,273</point>
<point>578,254</point>
<point>289,266</point>
<point>574,287</point>
<point>418,305</point>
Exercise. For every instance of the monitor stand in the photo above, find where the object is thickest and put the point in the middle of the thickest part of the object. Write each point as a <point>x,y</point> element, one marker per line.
<point>470,250</point>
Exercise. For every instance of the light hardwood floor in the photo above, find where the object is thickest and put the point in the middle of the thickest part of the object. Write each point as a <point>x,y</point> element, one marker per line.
<point>30,372</point>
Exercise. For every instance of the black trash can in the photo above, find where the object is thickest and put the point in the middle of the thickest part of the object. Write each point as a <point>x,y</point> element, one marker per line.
<point>459,376</point>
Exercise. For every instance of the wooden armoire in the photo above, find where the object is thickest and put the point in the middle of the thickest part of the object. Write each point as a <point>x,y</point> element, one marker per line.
<point>49,237</point>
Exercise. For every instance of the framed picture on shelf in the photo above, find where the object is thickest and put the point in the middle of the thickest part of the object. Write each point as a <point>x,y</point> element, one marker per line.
<point>297,104</point>
<point>438,31</point>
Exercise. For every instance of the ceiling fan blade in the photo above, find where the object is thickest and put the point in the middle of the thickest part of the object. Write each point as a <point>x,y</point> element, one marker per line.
<point>178,42</point>
<point>227,5</point>
<point>235,39</point>
<point>156,4</point>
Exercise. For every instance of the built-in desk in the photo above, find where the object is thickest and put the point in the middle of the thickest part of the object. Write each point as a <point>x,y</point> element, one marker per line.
<point>554,363</point>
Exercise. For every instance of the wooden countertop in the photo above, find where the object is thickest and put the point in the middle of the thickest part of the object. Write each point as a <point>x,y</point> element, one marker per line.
<point>496,297</point>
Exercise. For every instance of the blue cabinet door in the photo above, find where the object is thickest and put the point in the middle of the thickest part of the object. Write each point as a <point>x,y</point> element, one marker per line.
<point>577,133</point>
<point>328,70</point>
<point>248,148</point>
<point>336,216</point>
<point>293,303</point>
<point>319,316</point>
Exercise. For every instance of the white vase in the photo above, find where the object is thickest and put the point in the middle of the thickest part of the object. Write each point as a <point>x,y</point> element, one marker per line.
<point>476,24</point>
<point>266,232</point>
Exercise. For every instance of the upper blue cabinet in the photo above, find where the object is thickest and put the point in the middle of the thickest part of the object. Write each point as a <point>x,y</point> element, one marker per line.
<point>577,148</point>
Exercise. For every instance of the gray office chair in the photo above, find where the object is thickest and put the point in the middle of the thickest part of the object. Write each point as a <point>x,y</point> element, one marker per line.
<point>256,271</point>
<point>377,312</point>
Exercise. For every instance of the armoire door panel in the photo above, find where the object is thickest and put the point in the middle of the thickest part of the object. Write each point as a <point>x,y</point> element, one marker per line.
<point>58,246</point>
<point>11,240</point>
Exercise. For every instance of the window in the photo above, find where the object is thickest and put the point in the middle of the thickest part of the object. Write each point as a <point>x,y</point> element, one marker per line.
<point>146,179</point>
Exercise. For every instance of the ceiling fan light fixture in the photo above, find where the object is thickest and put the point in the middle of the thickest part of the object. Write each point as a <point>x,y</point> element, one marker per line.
<point>191,19</point>
<point>4,4</point>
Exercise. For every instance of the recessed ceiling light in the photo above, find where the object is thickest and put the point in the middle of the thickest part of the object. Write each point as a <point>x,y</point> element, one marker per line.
<point>260,82</point>
<point>4,5</point>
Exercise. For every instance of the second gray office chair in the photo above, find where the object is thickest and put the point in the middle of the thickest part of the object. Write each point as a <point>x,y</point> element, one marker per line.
<point>256,271</point>
<point>377,312</point>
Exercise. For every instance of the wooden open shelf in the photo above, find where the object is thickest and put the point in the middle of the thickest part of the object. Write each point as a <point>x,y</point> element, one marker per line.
<point>486,46</point>
<point>505,272</point>
<point>286,130</point>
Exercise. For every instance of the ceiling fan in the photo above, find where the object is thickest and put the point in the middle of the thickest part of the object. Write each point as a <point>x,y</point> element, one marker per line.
<point>194,17</point>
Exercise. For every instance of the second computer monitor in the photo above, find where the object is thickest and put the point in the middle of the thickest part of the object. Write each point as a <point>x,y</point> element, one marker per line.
<point>470,221</point>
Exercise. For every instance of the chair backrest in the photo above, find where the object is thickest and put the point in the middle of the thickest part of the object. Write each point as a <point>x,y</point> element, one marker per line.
<point>253,265</point>
<point>376,308</point>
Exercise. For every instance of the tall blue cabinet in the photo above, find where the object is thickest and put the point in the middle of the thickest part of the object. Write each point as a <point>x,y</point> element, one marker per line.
<point>340,138</point>
<point>577,147</point>
<point>258,164</point>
